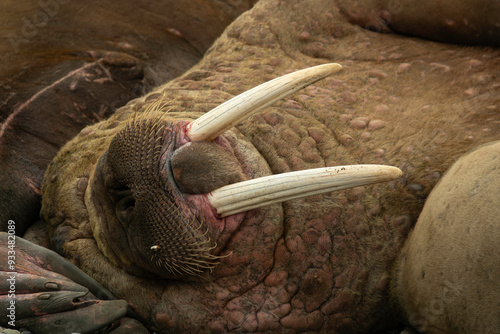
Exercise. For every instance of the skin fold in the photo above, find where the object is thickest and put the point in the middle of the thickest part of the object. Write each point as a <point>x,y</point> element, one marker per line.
<point>316,264</point>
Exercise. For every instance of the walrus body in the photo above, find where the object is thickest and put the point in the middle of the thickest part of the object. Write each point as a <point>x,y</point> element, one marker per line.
<point>461,22</point>
<point>446,279</point>
<point>317,264</point>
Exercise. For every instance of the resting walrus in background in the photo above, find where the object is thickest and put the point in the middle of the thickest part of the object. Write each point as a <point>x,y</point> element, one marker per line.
<point>129,194</point>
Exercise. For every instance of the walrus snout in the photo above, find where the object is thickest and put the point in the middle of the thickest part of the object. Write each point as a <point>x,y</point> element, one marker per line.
<point>160,232</point>
<point>200,167</point>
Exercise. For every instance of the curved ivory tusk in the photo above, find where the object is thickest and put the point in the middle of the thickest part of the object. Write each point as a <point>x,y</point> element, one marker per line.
<point>221,118</point>
<point>251,194</point>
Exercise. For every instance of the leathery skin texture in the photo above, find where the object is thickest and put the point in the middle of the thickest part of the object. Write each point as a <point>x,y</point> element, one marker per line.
<point>321,263</point>
<point>446,276</point>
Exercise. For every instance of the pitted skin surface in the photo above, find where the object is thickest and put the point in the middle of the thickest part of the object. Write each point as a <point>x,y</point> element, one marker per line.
<point>321,263</point>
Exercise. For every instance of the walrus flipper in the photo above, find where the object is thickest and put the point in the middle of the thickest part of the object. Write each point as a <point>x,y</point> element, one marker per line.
<point>45,293</point>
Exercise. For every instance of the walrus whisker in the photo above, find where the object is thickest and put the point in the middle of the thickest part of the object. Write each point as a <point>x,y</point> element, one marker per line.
<point>223,117</point>
<point>200,243</point>
<point>251,194</point>
<point>156,106</point>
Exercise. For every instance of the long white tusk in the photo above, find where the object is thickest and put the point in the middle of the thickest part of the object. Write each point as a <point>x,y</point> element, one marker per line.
<point>251,194</point>
<point>221,118</point>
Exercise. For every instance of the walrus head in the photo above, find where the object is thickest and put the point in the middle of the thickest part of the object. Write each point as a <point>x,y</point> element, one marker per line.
<point>169,192</point>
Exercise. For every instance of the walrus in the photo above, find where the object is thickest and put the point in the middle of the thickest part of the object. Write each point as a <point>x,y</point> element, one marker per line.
<point>322,263</point>
<point>447,276</point>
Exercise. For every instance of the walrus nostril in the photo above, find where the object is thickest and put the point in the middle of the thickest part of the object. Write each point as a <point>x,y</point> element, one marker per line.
<point>124,202</point>
<point>124,208</point>
<point>200,167</point>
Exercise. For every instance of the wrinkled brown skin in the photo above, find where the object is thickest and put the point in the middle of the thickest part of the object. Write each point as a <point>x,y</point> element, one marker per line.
<point>415,104</point>
<point>67,64</point>
<point>320,263</point>
<point>447,276</point>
